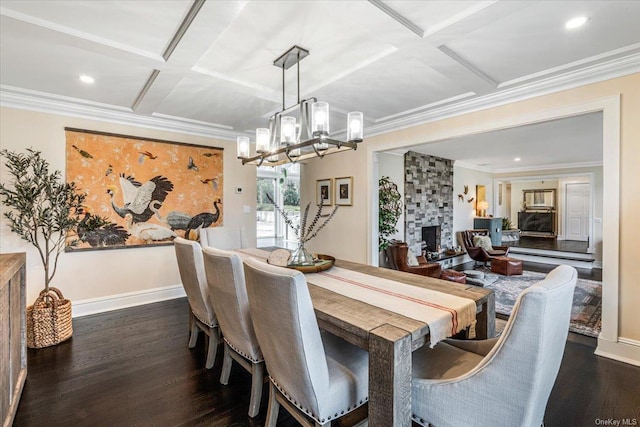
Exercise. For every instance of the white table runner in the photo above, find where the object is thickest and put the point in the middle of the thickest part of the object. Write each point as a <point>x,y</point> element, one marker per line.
<point>445,314</point>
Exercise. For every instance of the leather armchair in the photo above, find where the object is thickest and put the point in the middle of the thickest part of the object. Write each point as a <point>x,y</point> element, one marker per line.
<point>397,253</point>
<point>477,253</point>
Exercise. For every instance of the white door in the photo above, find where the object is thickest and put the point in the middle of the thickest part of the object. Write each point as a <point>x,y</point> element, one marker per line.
<point>578,200</point>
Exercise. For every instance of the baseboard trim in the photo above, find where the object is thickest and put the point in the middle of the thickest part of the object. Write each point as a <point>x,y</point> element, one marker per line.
<point>625,350</point>
<point>129,299</point>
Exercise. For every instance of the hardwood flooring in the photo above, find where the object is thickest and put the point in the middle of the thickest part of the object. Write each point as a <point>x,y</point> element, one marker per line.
<point>132,367</point>
<point>550,244</point>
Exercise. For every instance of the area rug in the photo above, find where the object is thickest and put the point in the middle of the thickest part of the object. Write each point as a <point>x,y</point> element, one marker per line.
<point>586,311</point>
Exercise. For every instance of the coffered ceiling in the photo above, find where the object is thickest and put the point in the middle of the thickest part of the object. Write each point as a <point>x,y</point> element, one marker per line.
<point>205,67</point>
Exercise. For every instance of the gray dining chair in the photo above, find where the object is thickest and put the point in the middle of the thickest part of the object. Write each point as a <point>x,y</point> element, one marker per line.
<point>225,275</point>
<point>503,381</point>
<point>317,377</point>
<point>202,317</point>
<point>224,237</point>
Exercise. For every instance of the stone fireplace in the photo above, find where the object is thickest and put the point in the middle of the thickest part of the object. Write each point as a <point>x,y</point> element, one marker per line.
<point>428,200</point>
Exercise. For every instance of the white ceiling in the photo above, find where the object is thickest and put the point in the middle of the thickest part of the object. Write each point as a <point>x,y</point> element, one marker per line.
<point>555,144</point>
<point>400,62</point>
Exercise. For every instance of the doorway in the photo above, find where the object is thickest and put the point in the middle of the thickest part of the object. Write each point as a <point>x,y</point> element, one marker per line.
<point>608,341</point>
<point>280,184</point>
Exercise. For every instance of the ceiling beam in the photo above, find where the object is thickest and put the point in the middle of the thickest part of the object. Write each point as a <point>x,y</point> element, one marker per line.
<point>451,54</point>
<point>182,29</point>
<point>398,17</point>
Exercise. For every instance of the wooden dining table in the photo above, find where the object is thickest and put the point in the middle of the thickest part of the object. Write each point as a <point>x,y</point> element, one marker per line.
<point>389,337</point>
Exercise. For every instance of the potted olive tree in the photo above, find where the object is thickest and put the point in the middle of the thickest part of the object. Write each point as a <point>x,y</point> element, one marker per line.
<point>389,210</point>
<point>42,209</point>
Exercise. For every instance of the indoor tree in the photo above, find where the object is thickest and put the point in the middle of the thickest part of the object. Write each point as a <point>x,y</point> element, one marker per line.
<point>389,210</point>
<point>42,207</point>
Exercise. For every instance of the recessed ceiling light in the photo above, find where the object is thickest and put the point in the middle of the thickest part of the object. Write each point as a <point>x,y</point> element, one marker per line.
<point>517,159</point>
<point>86,79</point>
<point>576,22</point>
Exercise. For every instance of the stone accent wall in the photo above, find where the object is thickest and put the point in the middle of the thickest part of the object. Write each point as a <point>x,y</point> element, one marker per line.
<point>428,197</point>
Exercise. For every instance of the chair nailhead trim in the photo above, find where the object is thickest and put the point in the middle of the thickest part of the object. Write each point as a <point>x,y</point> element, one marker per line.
<point>214,325</point>
<point>246,356</point>
<point>306,410</point>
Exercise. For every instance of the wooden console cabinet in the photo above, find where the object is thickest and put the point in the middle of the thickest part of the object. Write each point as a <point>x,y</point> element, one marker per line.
<point>13,334</point>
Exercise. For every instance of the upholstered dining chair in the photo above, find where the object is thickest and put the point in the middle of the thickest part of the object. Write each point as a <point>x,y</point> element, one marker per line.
<point>225,275</point>
<point>316,377</point>
<point>479,253</point>
<point>202,317</point>
<point>504,381</point>
<point>224,237</point>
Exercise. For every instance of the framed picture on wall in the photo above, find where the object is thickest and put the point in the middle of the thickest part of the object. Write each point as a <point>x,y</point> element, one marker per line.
<point>323,192</point>
<point>142,192</point>
<point>344,191</point>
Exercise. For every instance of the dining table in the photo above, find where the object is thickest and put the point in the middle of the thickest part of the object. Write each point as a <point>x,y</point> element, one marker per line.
<point>390,323</point>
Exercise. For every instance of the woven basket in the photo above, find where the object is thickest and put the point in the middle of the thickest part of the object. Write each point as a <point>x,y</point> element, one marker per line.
<point>49,319</point>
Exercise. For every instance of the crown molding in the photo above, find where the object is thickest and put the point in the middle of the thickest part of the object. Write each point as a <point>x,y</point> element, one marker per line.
<point>57,104</point>
<point>549,167</point>
<point>466,165</point>
<point>593,74</point>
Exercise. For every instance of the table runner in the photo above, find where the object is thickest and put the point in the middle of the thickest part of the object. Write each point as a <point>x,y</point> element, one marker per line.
<point>445,314</point>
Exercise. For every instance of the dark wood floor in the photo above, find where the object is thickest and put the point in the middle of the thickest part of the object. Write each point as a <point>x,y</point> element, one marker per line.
<point>132,367</point>
<point>550,244</point>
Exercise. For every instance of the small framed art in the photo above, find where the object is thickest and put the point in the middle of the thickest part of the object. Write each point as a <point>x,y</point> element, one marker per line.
<point>344,191</point>
<point>323,192</point>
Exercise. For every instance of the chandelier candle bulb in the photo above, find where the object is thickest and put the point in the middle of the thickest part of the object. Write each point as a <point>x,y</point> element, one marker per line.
<point>287,130</point>
<point>355,126</point>
<point>320,118</point>
<point>274,146</point>
<point>263,136</point>
<point>243,147</point>
<point>296,151</point>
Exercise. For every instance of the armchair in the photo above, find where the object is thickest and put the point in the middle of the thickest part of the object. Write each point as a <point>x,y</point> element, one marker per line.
<point>503,381</point>
<point>397,253</point>
<point>477,253</point>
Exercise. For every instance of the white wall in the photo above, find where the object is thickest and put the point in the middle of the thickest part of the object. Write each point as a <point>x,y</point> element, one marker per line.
<point>392,165</point>
<point>107,273</point>
<point>345,237</point>
<point>463,211</point>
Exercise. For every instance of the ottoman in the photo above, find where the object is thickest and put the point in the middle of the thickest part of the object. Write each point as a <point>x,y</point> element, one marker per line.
<point>506,266</point>
<point>453,276</point>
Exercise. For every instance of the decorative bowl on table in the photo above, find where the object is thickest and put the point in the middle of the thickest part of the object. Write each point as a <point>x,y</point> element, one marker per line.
<point>280,257</point>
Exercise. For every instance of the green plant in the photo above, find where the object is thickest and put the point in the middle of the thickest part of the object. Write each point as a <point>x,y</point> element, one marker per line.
<point>389,210</point>
<point>43,209</point>
<point>506,224</point>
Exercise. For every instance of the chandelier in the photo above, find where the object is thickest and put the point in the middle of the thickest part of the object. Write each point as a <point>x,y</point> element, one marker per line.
<point>301,131</point>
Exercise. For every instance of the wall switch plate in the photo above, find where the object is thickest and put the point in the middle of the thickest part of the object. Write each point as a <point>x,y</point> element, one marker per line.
<point>246,209</point>
<point>238,190</point>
